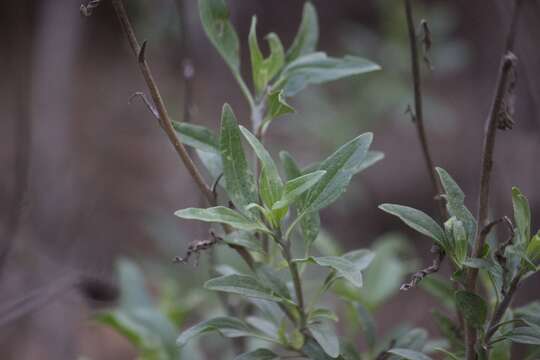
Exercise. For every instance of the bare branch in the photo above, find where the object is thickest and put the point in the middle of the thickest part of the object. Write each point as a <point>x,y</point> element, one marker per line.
<point>505,83</point>
<point>421,274</point>
<point>418,118</point>
<point>88,10</point>
<point>165,121</point>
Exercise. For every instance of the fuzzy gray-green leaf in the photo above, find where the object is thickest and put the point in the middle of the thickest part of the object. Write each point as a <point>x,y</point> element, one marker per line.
<point>215,20</point>
<point>240,184</point>
<point>296,187</point>
<point>318,68</point>
<point>264,70</point>
<point>273,185</point>
<point>325,334</point>
<point>522,215</point>
<point>417,220</point>
<point>455,203</point>
<point>222,215</point>
<point>307,36</point>
<point>339,167</point>
<point>242,285</point>
<point>473,308</point>
<point>409,354</point>
<point>227,326</point>
<point>197,136</point>
<point>259,354</point>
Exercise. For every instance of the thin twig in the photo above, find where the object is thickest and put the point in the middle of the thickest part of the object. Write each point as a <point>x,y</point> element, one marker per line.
<point>421,274</point>
<point>140,53</point>
<point>501,309</point>
<point>165,121</point>
<point>506,70</point>
<point>418,118</point>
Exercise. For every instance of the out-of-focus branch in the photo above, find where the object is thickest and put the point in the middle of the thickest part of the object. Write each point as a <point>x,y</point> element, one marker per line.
<point>140,53</point>
<point>418,119</point>
<point>505,81</point>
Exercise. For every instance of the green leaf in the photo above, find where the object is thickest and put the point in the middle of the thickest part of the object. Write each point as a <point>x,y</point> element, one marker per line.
<point>259,354</point>
<point>350,267</point>
<point>268,276</point>
<point>296,339</point>
<point>240,184</point>
<point>215,20</point>
<point>367,323</point>
<point>322,313</point>
<point>272,186</point>
<point>371,158</point>
<point>290,167</point>
<point>417,220</point>
<point>441,289</point>
<point>223,215</point>
<point>448,329</point>
<point>310,223</point>
<point>143,338</point>
<point>473,307</point>
<point>533,252</point>
<point>226,326</point>
<point>196,136</point>
<point>525,335</point>
<point>307,36</point>
<point>409,354</point>
<point>242,285</point>
<point>244,239</point>
<point>318,68</point>
<point>325,334</point>
<point>296,187</point>
<point>522,215</point>
<point>314,351</point>
<point>339,169</point>
<point>264,70</point>
<point>448,353</point>
<point>455,203</point>
<point>214,164</point>
<point>457,243</point>
<point>277,106</point>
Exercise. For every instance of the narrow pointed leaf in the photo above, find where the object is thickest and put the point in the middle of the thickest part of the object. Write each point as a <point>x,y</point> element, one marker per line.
<point>222,215</point>
<point>273,185</point>
<point>215,20</point>
<point>307,36</point>
<point>371,158</point>
<point>240,184</point>
<point>473,307</point>
<point>226,326</point>
<point>264,69</point>
<point>318,68</point>
<point>409,354</point>
<point>296,187</point>
<point>339,169</point>
<point>455,203</point>
<point>259,354</point>
<point>325,334</point>
<point>522,215</point>
<point>242,285</point>
<point>417,220</point>
<point>196,136</point>
<point>277,106</point>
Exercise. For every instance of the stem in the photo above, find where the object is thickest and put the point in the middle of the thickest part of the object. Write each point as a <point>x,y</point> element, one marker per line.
<point>164,119</point>
<point>418,118</point>
<point>501,309</point>
<point>418,115</point>
<point>293,268</point>
<point>505,69</point>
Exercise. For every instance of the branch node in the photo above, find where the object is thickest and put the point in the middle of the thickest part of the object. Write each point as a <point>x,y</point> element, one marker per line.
<point>421,274</point>
<point>87,10</point>
<point>147,102</point>
<point>141,57</point>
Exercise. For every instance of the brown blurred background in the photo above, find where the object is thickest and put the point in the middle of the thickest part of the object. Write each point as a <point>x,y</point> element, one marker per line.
<point>88,177</point>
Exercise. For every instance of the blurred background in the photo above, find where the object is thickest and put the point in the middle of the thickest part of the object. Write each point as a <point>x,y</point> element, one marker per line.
<point>89,178</point>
